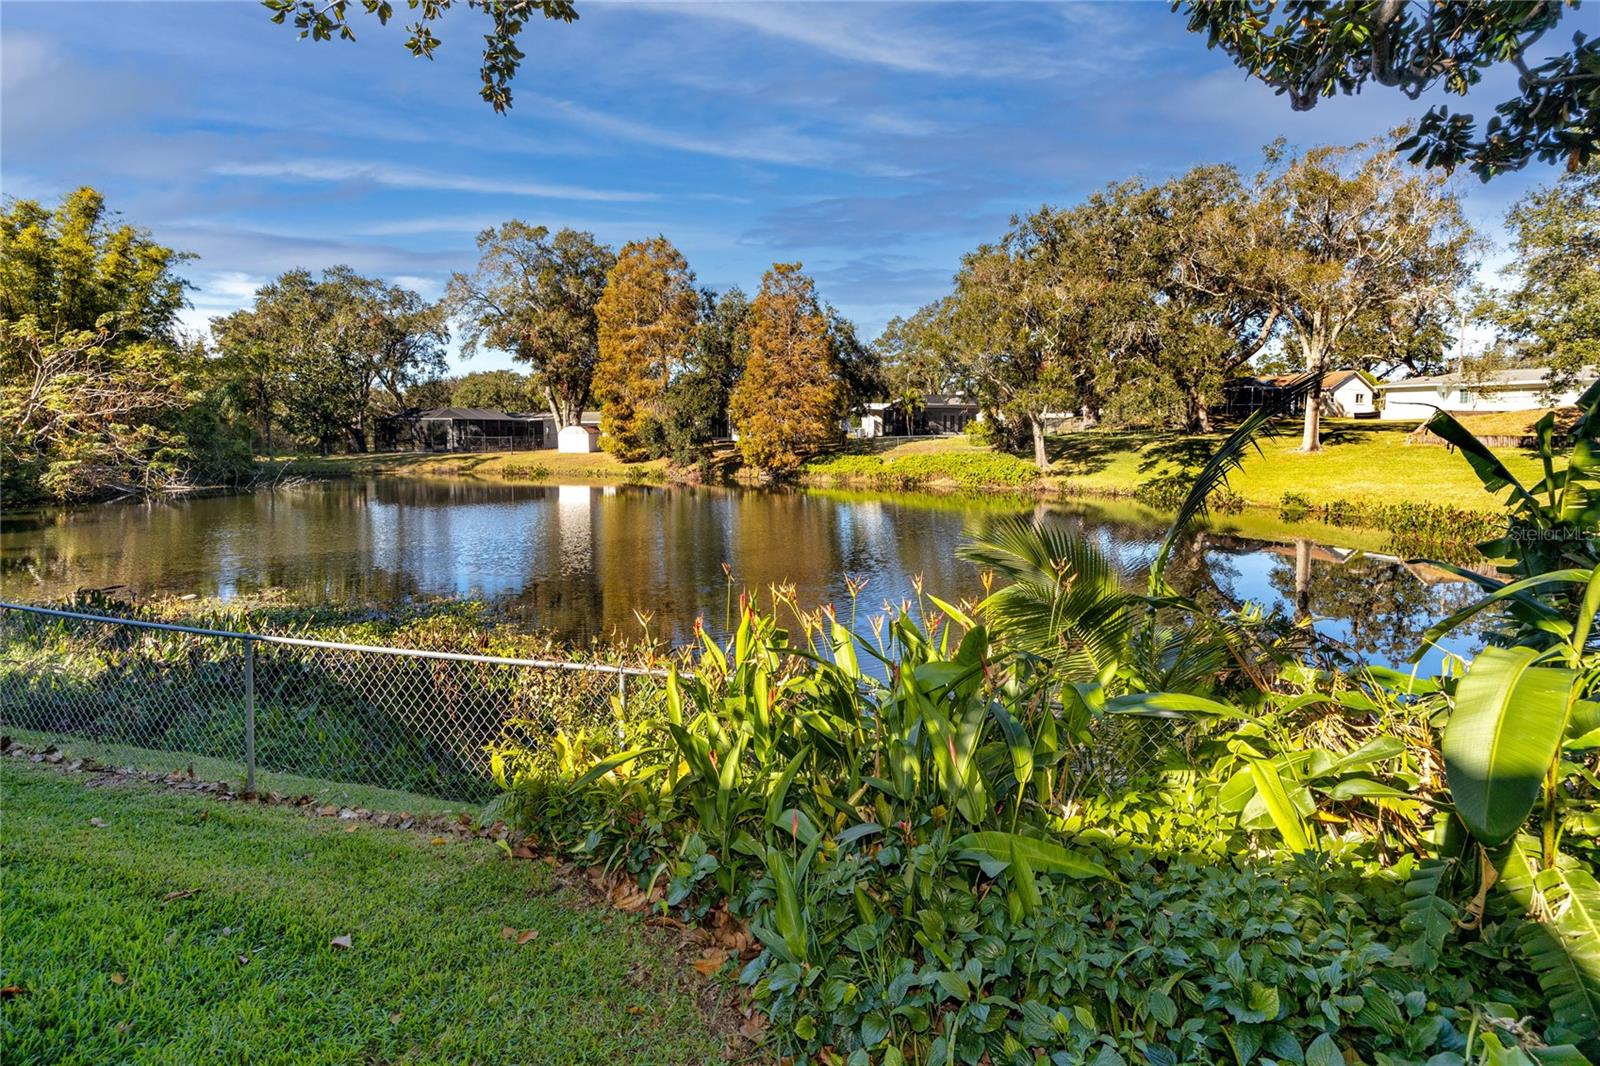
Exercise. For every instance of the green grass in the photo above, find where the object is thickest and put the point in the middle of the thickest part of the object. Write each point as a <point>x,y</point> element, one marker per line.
<point>428,977</point>
<point>548,464</point>
<point>1361,462</point>
<point>321,790</point>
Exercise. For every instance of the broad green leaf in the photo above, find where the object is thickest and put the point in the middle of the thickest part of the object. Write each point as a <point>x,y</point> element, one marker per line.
<point>1502,736</point>
<point>606,765</point>
<point>1272,793</point>
<point>1042,856</point>
<point>1171,703</point>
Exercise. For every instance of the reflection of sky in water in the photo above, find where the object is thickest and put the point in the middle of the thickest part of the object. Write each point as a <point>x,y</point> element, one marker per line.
<point>584,559</point>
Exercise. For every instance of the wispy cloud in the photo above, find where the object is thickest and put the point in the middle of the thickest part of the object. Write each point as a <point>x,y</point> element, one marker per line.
<point>315,170</point>
<point>772,143</point>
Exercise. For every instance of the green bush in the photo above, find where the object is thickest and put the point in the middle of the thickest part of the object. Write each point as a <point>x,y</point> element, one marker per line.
<point>973,470</point>
<point>943,868</point>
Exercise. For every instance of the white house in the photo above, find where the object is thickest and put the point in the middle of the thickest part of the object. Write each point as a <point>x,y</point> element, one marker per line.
<point>1345,394</point>
<point>1349,394</point>
<point>1522,389</point>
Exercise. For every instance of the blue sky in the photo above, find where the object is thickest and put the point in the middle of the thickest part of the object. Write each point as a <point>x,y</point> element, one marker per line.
<point>873,142</point>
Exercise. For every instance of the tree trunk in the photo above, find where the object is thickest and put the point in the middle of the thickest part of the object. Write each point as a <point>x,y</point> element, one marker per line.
<point>1196,418</point>
<point>1302,579</point>
<point>1316,360</point>
<point>1040,455</point>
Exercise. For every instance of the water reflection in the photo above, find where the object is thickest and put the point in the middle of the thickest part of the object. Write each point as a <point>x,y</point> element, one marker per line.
<point>586,560</point>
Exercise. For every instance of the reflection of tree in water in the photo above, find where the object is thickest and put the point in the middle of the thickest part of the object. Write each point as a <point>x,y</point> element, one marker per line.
<point>1384,607</point>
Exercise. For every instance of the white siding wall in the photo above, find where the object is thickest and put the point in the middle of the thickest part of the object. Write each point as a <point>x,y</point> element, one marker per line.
<point>1353,398</point>
<point>1403,403</point>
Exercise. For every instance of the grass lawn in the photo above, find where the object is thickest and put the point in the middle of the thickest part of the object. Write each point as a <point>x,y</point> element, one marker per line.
<point>1361,461</point>
<point>321,790</point>
<point>543,465</point>
<point>244,970</point>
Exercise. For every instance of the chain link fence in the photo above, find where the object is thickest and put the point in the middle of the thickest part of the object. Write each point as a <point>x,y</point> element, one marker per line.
<point>404,719</point>
<point>136,692</point>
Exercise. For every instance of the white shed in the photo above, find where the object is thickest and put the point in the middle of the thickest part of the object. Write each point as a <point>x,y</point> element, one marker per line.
<point>578,440</point>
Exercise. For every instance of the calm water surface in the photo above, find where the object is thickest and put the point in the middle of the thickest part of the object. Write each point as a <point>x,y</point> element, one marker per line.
<point>584,560</point>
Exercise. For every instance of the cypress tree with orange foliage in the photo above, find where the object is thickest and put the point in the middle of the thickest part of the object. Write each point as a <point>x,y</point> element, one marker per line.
<point>647,318</point>
<point>790,400</point>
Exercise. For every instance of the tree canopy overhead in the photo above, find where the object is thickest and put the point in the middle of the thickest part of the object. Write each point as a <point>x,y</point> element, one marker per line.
<point>1312,49</point>
<point>322,20</point>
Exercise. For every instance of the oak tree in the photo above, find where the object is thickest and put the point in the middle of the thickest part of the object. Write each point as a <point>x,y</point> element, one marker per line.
<point>533,295</point>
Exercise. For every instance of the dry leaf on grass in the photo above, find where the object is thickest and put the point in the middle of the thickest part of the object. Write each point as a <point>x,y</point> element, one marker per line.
<point>182,893</point>
<point>754,1027</point>
<point>98,823</point>
<point>340,941</point>
<point>526,936</point>
<point>709,963</point>
<point>12,991</point>
<point>118,978</point>
<point>507,932</point>
<point>394,1019</point>
<point>437,840</point>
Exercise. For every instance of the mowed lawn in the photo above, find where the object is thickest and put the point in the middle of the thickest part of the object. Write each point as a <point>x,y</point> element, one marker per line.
<point>1361,461</point>
<point>113,968</point>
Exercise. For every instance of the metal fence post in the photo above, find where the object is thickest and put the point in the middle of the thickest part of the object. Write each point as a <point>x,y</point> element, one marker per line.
<point>249,716</point>
<point>622,690</point>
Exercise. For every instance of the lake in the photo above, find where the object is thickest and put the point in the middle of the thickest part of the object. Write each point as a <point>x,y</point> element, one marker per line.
<point>589,560</point>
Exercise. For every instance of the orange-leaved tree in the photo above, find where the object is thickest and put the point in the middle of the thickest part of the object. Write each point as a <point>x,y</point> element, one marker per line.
<point>790,401</point>
<point>647,325</point>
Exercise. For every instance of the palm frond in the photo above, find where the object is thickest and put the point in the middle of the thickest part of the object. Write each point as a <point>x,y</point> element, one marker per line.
<point>1062,599</point>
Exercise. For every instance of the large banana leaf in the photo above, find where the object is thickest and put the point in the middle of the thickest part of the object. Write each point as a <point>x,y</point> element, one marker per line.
<point>1490,470</point>
<point>1505,730</point>
<point>1042,856</point>
<point>1563,942</point>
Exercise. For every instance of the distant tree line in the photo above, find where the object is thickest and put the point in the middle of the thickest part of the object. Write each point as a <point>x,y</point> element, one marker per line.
<point>1137,305</point>
<point>1133,306</point>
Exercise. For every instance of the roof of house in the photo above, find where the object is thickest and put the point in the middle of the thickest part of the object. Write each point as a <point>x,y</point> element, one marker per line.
<point>1526,375</point>
<point>1331,379</point>
<point>473,414</point>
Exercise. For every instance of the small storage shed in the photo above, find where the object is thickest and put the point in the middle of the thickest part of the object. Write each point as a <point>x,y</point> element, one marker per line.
<point>578,440</point>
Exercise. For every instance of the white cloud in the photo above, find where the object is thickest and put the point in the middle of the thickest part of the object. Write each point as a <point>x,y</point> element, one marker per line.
<point>409,178</point>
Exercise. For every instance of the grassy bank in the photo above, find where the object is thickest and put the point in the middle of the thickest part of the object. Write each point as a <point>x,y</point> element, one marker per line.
<point>544,465</point>
<point>1361,462</point>
<point>245,969</point>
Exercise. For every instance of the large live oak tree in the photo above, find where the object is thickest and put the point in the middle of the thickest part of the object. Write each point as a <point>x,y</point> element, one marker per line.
<point>534,294</point>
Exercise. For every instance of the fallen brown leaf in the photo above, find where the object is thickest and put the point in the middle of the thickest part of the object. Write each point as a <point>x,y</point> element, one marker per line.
<point>340,941</point>
<point>635,1010</point>
<point>327,810</point>
<point>526,936</point>
<point>437,840</point>
<point>394,1019</point>
<point>118,978</point>
<point>12,991</point>
<point>710,962</point>
<point>182,893</point>
<point>753,1028</point>
<point>507,932</point>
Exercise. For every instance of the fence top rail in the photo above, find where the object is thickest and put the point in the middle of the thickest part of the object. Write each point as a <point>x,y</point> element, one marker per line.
<point>329,645</point>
